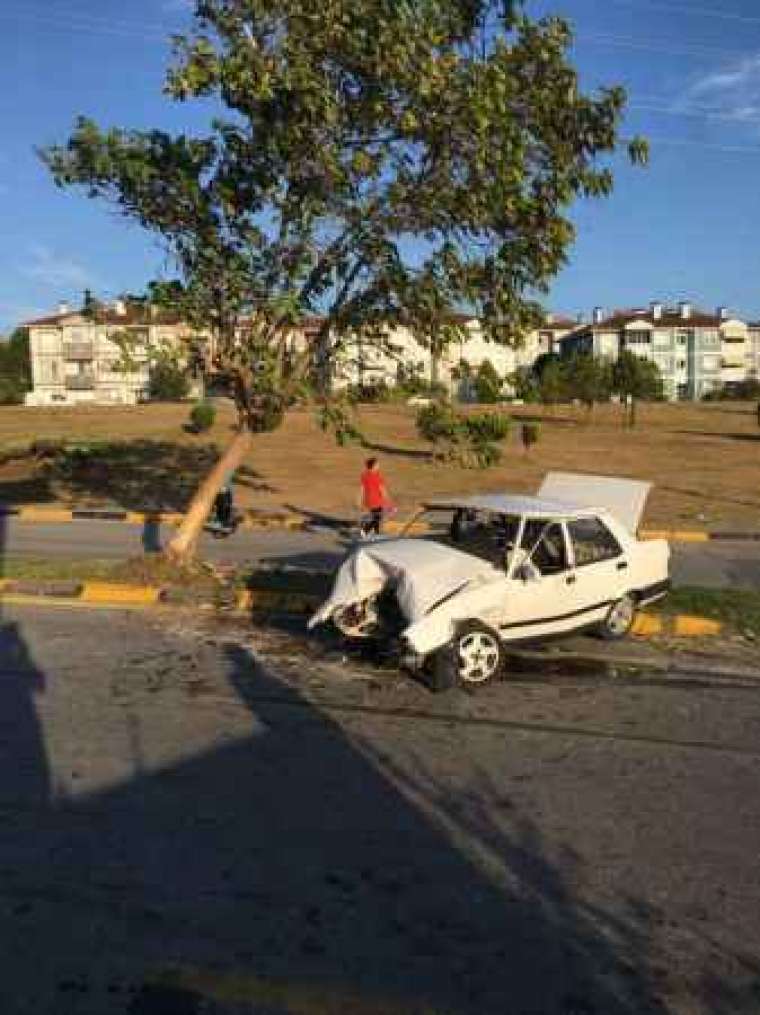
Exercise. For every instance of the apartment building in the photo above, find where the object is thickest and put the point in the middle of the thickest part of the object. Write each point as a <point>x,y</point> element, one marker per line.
<point>365,363</point>
<point>697,352</point>
<point>75,360</point>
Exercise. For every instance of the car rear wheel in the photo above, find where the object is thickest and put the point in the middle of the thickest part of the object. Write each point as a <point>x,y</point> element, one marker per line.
<point>473,658</point>
<point>619,621</point>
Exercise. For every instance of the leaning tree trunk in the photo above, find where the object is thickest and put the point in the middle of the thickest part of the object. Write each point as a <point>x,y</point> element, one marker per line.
<point>182,547</point>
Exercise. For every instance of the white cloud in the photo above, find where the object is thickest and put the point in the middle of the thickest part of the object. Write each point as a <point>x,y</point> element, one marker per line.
<point>731,93</point>
<point>56,270</point>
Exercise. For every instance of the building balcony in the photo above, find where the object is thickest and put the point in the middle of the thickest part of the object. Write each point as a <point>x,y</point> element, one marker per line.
<point>77,350</point>
<point>80,382</point>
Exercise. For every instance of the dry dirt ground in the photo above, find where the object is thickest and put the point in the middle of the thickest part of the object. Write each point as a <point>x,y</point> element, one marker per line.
<point>704,460</point>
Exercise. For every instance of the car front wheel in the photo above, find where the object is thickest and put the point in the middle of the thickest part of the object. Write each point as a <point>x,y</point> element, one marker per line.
<point>474,657</point>
<point>619,621</point>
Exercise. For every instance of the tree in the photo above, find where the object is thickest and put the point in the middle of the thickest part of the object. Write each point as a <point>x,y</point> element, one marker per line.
<point>523,383</point>
<point>168,382</point>
<point>380,163</point>
<point>488,384</point>
<point>634,377</point>
<point>552,382</point>
<point>588,378</point>
<point>15,368</point>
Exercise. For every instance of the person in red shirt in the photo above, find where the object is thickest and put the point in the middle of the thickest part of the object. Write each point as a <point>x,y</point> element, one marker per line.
<point>373,497</point>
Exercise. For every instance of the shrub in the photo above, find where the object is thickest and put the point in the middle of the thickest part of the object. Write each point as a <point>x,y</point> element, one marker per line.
<point>488,384</point>
<point>202,416</point>
<point>438,422</point>
<point>168,383</point>
<point>468,440</point>
<point>371,392</point>
<point>11,392</point>
<point>488,426</point>
<point>531,433</point>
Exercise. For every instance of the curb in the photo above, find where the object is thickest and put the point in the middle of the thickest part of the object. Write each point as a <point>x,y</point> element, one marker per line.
<point>698,536</point>
<point>646,625</point>
<point>41,515</point>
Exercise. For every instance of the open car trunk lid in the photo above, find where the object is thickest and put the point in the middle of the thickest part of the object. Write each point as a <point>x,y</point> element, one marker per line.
<point>625,499</point>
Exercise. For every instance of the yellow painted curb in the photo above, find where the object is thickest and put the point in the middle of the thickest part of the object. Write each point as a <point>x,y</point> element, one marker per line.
<point>676,535</point>
<point>393,528</point>
<point>646,625</point>
<point>241,987</point>
<point>58,602</point>
<point>695,627</point>
<point>37,514</point>
<point>107,592</point>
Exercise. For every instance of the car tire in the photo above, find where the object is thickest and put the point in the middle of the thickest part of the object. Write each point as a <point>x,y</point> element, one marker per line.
<point>619,621</point>
<point>473,658</point>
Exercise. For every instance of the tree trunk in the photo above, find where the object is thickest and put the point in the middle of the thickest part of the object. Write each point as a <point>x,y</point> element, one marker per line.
<point>182,548</point>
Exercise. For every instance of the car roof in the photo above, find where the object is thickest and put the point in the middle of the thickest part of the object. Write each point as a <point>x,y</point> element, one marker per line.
<point>529,507</point>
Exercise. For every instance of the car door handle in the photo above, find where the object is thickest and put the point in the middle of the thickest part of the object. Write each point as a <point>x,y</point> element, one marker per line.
<point>622,565</point>
<point>570,580</point>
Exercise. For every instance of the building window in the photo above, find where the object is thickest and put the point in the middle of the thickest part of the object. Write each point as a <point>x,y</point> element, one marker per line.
<point>638,338</point>
<point>681,364</point>
<point>682,337</point>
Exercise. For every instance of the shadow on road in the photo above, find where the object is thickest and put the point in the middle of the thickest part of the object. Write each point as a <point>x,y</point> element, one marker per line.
<point>294,868</point>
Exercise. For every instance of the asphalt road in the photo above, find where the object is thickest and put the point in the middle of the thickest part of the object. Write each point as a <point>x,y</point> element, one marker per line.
<point>203,811</point>
<point>716,565</point>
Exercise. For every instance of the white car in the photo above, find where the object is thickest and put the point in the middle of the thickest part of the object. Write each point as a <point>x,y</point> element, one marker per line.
<point>494,569</point>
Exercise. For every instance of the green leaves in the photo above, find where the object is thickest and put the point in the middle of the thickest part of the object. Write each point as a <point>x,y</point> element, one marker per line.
<point>381,162</point>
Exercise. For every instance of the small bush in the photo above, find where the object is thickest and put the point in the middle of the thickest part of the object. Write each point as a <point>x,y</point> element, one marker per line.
<point>531,433</point>
<point>202,416</point>
<point>370,393</point>
<point>488,426</point>
<point>468,440</point>
<point>11,391</point>
<point>438,422</point>
<point>488,384</point>
<point>168,383</point>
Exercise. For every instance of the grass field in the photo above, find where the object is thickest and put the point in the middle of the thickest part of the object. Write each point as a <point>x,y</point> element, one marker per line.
<point>704,460</point>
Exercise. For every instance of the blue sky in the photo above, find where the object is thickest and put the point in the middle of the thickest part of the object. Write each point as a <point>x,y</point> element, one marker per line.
<point>686,227</point>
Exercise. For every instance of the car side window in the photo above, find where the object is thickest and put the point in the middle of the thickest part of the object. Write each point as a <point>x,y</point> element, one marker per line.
<point>592,541</point>
<point>546,546</point>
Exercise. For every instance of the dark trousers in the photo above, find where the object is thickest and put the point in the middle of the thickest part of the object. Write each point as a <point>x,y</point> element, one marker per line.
<point>374,522</point>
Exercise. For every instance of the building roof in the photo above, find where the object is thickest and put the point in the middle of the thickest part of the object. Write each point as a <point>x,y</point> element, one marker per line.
<point>670,318</point>
<point>558,322</point>
<point>530,507</point>
<point>133,314</point>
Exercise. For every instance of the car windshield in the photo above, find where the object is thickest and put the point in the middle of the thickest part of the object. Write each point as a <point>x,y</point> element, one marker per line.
<point>483,534</point>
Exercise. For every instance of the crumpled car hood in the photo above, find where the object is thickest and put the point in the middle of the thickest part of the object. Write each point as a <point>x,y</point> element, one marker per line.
<point>423,573</point>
